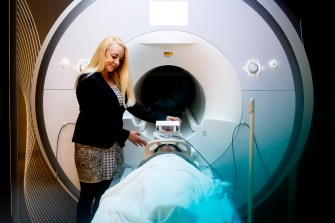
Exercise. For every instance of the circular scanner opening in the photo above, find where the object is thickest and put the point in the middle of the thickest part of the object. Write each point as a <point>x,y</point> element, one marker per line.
<point>172,90</point>
<point>168,89</point>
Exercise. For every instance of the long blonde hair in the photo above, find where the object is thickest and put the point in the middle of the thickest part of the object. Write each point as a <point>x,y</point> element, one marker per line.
<point>121,76</point>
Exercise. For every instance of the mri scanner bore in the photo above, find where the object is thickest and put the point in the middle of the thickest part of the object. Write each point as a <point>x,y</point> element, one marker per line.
<point>168,89</point>
<point>205,71</point>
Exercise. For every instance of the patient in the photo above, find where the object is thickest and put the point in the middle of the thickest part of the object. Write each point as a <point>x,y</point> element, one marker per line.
<point>166,189</point>
<point>168,148</point>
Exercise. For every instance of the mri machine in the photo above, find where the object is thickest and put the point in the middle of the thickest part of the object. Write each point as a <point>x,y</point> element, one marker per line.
<point>204,61</point>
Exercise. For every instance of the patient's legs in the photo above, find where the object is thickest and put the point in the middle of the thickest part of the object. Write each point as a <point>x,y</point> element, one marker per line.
<point>89,193</point>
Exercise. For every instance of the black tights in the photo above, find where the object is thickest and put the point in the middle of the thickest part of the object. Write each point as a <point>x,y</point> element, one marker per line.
<point>90,193</point>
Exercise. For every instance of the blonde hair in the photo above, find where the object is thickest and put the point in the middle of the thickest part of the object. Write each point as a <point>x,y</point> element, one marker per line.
<point>121,76</point>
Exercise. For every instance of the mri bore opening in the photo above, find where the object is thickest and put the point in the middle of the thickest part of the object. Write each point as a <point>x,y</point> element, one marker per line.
<point>172,90</point>
<point>168,89</point>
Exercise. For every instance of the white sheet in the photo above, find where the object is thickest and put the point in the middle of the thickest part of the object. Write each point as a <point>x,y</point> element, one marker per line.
<point>167,189</point>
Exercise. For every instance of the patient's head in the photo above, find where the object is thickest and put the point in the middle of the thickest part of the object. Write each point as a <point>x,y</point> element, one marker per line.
<point>167,148</point>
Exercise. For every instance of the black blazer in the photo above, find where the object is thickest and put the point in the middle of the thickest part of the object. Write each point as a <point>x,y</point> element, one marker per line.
<point>100,120</point>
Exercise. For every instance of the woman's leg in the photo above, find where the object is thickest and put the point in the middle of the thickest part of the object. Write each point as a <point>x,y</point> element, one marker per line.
<point>84,208</point>
<point>100,189</point>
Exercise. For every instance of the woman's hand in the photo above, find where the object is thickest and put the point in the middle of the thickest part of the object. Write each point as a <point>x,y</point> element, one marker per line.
<point>135,138</point>
<point>172,118</point>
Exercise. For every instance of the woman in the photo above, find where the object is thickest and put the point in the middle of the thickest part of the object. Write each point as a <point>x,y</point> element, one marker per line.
<point>104,91</point>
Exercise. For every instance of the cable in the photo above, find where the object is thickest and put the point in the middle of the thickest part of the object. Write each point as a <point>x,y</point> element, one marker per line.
<point>127,165</point>
<point>175,136</point>
<point>234,134</point>
<point>259,154</point>
<point>60,130</point>
<point>233,151</point>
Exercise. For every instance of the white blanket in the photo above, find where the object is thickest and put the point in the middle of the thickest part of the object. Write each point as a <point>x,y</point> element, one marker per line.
<point>167,189</point>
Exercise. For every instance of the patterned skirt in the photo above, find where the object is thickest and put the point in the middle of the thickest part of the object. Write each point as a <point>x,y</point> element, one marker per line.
<point>96,164</point>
